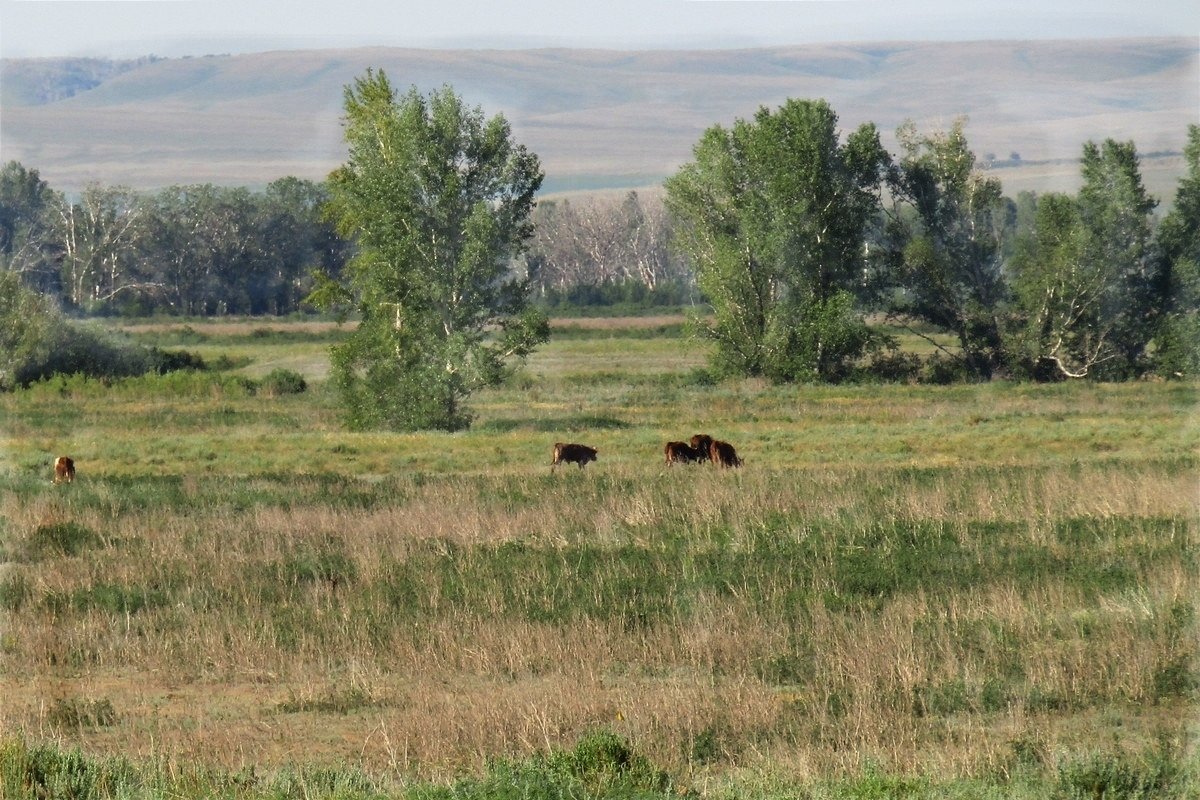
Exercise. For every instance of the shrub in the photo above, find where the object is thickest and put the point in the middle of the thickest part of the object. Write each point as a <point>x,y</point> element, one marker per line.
<point>164,361</point>
<point>892,366</point>
<point>59,539</point>
<point>37,341</point>
<point>1118,776</point>
<point>943,371</point>
<point>283,381</point>
<point>602,765</point>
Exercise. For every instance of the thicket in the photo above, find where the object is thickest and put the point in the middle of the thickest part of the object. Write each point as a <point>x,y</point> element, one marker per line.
<point>37,341</point>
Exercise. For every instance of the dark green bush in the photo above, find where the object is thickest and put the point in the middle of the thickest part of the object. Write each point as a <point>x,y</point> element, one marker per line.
<point>283,381</point>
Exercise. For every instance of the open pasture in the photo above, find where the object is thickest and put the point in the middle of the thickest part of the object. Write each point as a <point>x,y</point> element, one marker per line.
<point>984,587</point>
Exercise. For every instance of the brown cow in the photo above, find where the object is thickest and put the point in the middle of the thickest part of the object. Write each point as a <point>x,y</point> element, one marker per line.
<point>579,454</point>
<point>64,469</point>
<point>702,444</point>
<point>683,453</point>
<point>723,454</point>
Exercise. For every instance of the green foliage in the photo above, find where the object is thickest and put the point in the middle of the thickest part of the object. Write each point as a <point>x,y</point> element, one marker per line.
<point>111,598</point>
<point>1177,338</point>
<point>37,341</point>
<point>602,765</point>
<point>27,245</point>
<point>59,539</point>
<point>1117,776</point>
<point>773,214</point>
<point>619,298</point>
<point>821,340</point>
<point>48,771</point>
<point>328,566</point>
<point>197,249</point>
<point>283,381</point>
<point>1084,276</point>
<point>944,240</point>
<point>438,200</point>
<point>668,577</point>
<point>15,591</point>
<point>26,322</point>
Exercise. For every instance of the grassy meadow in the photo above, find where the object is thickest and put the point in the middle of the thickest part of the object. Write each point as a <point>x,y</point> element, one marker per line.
<point>907,591</point>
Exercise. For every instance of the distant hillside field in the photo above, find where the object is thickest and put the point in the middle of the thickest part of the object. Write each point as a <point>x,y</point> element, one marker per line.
<point>598,119</point>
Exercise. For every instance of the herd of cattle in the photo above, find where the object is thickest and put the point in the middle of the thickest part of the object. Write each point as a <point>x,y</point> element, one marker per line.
<point>701,447</point>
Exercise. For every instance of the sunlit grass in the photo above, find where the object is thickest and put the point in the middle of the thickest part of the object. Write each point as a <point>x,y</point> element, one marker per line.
<point>979,582</point>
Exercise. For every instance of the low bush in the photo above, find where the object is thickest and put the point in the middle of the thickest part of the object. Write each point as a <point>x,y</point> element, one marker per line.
<point>1117,776</point>
<point>38,341</point>
<point>281,381</point>
<point>601,765</point>
<point>59,539</point>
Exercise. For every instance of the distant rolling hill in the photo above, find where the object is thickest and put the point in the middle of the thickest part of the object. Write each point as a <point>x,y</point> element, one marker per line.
<point>598,119</point>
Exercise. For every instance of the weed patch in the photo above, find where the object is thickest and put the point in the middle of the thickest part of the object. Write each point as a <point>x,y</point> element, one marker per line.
<point>77,712</point>
<point>59,539</point>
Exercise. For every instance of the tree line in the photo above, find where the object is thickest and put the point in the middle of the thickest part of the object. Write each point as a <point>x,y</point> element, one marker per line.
<point>191,250</point>
<point>795,234</point>
<point>798,238</point>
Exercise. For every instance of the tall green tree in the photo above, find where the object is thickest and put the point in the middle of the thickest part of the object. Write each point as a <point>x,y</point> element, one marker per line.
<point>437,199</point>
<point>1086,278</point>
<point>27,240</point>
<point>945,238</point>
<point>773,214</point>
<point>296,240</point>
<point>1177,335</point>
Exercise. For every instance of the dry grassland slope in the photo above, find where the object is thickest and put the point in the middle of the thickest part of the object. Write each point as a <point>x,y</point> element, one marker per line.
<point>597,118</point>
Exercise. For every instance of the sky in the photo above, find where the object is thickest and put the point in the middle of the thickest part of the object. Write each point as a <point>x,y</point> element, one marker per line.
<point>130,28</point>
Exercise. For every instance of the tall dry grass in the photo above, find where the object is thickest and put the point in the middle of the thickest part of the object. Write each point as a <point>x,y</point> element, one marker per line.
<point>964,582</point>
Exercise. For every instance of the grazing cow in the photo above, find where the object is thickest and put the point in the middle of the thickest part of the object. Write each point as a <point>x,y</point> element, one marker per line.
<point>702,444</point>
<point>577,453</point>
<point>683,453</point>
<point>722,453</point>
<point>64,469</point>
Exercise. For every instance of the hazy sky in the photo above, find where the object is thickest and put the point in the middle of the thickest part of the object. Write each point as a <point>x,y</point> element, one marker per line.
<point>199,27</point>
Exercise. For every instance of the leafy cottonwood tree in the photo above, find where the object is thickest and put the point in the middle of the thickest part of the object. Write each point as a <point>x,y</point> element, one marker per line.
<point>773,214</point>
<point>438,200</point>
<point>1177,337</point>
<point>1085,278</point>
<point>945,237</point>
<point>26,321</point>
<point>27,241</point>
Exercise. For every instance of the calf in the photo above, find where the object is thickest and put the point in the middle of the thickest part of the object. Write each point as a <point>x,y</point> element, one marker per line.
<point>64,469</point>
<point>572,453</point>
<point>683,453</point>
<point>723,454</point>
